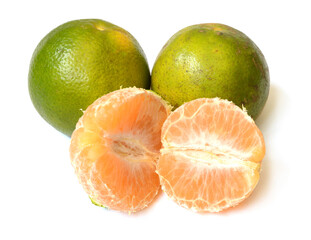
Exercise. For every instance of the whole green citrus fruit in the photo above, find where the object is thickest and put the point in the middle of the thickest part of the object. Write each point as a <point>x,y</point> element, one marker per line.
<point>212,60</point>
<point>77,63</point>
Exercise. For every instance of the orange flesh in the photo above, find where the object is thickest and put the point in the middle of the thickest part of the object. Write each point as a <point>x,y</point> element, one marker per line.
<point>211,155</point>
<point>115,147</point>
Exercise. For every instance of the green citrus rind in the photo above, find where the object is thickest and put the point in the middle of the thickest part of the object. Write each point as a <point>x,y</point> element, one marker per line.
<point>208,61</point>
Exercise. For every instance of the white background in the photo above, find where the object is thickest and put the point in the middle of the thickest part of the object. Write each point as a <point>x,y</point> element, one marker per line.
<point>40,197</point>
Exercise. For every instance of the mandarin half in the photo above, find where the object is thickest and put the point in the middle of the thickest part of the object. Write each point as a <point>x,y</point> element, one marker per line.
<point>211,155</point>
<point>115,146</point>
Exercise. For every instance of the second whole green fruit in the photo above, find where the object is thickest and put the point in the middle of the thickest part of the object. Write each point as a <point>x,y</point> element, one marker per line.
<point>212,60</point>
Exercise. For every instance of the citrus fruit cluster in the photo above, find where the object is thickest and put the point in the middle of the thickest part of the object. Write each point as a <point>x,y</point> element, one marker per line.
<point>206,154</point>
<point>192,134</point>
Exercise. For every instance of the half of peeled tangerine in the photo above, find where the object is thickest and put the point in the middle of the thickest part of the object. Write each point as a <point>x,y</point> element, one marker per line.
<point>211,155</point>
<point>115,146</point>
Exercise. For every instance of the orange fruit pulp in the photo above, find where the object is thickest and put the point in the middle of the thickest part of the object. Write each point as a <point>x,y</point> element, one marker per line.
<point>211,155</point>
<point>115,146</point>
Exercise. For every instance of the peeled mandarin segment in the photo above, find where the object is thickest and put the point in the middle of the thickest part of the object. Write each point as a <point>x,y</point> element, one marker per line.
<point>211,155</point>
<point>202,182</point>
<point>115,147</point>
<point>117,183</point>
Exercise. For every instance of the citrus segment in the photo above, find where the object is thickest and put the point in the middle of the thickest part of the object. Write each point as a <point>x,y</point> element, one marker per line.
<point>115,147</point>
<point>211,155</point>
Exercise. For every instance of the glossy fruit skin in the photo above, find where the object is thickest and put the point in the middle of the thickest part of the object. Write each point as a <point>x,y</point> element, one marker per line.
<point>212,60</point>
<point>78,62</point>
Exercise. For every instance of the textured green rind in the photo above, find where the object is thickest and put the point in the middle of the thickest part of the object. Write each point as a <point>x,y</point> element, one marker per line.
<point>212,60</point>
<point>97,204</point>
<point>77,63</point>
